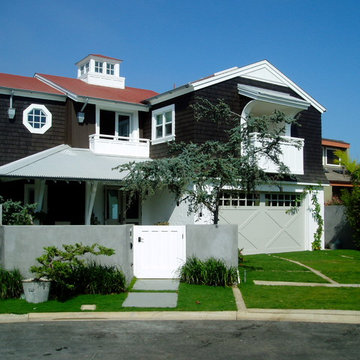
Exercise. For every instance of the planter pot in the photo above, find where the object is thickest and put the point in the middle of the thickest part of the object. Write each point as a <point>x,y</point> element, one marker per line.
<point>36,291</point>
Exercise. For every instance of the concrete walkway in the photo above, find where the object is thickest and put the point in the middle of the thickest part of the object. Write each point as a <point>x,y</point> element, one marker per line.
<point>144,294</point>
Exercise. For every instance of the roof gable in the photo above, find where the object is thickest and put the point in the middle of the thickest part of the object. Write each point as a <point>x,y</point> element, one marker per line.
<point>262,71</point>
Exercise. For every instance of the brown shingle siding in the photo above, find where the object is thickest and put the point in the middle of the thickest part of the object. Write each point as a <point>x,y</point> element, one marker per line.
<point>16,141</point>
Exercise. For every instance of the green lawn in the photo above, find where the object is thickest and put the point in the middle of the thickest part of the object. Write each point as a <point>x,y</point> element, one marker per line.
<point>340,265</point>
<point>191,298</point>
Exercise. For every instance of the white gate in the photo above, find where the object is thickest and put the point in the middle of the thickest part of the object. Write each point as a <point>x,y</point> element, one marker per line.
<point>159,251</point>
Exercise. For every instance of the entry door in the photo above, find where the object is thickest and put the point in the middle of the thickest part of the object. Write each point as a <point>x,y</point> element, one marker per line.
<point>123,125</point>
<point>159,251</point>
<point>118,209</point>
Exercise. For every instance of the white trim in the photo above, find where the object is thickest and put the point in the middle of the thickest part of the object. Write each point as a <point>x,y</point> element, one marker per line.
<point>48,117</point>
<point>162,111</point>
<point>32,94</point>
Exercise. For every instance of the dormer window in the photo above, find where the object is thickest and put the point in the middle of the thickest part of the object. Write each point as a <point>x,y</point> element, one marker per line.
<point>98,67</point>
<point>110,69</point>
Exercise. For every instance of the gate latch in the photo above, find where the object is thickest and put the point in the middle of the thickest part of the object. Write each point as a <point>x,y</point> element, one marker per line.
<point>140,239</point>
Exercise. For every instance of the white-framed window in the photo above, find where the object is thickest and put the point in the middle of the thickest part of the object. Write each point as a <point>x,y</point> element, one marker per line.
<point>330,157</point>
<point>87,66</point>
<point>110,69</point>
<point>98,66</point>
<point>283,200</point>
<point>238,198</point>
<point>163,124</point>
<point>37,118</point>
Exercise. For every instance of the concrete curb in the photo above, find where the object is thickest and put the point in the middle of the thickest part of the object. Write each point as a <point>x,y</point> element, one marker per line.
<point>328,316</point>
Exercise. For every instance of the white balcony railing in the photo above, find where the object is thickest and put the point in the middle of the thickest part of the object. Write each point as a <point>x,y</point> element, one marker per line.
<point>119,145</point>
<point>292,155</point>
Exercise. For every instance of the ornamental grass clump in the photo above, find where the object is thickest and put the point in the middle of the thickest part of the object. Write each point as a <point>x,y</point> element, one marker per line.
<point>212,272</point>
<point>10,284</point>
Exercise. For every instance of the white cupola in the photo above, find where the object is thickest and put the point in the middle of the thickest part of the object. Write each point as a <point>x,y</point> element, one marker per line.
<point>101,70</point>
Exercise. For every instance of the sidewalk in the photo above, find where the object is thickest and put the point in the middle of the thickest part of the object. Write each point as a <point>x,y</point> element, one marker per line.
<point>325,316</point>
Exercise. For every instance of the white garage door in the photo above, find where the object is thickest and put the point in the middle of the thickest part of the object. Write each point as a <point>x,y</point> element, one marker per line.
<point>264,224</point>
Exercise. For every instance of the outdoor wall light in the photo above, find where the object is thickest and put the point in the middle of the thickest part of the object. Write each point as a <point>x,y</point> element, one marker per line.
<point>80,117</point>
<point>11,112</point>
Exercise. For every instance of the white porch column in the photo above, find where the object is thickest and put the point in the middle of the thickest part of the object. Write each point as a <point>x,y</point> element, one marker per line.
<point>39,193</point>
<point>91,188</point>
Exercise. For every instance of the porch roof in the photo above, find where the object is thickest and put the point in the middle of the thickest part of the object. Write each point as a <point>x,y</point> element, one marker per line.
<point>66,163</point>
<point>272,96</point>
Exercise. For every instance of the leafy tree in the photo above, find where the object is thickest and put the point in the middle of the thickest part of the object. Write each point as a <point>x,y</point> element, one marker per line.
<point>351,198</point>
<point>198,173</point>
<point>15,213</point>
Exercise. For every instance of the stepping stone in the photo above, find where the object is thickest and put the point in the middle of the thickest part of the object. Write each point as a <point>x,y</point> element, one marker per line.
<point>160,300</point>
<point>152,284</point>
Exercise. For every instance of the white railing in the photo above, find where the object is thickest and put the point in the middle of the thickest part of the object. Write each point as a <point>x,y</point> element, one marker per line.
<point>292,155</point>
<point>119,145</point>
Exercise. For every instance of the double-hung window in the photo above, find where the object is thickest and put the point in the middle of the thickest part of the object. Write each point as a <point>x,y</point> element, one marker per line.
<point>163,124</point>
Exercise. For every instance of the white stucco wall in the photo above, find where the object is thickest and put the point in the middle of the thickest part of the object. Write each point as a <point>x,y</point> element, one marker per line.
<point>162,207</point>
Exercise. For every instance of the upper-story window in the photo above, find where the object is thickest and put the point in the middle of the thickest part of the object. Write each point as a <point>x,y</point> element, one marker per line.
<point>330,157</point>
<point>110,69</point>
<point>98,66</point>
<point>163,124</point>
<point>37,118</point>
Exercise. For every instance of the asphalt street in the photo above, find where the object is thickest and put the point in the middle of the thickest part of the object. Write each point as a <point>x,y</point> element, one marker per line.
<point>178,340</point>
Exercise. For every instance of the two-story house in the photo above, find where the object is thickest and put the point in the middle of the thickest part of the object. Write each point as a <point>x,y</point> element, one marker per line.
<point>61,138</point>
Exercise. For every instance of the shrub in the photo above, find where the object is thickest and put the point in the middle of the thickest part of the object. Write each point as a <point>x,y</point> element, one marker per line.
<point>90,278</point>
<point>211,272</point>
<point>15,213</point>
<point>60,266</point>
<point>10,284</point>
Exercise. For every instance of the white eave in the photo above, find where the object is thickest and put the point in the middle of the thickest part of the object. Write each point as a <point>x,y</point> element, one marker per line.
<point>65,163</point>
<point>31,94</point>
<point>262,71</point>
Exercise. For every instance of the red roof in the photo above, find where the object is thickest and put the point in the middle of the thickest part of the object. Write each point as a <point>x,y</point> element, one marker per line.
<point>26,83</point>
<point>81,88</point>
<point>105,57</point>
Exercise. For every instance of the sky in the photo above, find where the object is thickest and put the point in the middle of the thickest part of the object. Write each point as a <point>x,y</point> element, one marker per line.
<point>167,43</point>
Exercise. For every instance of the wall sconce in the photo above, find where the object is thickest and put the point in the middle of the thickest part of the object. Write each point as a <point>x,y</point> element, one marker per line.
<point>11,112</point>
<point>81,114</point>
<point>80,117</point>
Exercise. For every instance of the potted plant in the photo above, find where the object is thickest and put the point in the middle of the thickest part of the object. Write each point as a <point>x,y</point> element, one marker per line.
<point>57,265</point>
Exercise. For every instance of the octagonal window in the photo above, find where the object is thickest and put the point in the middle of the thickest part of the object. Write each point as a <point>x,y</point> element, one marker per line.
<point>37,118</point>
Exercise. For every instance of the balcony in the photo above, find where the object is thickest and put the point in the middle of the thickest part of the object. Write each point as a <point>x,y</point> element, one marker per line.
<point>292,155</point>
<point>119,145</point>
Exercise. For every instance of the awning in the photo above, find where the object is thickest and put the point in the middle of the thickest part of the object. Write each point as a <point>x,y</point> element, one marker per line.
<point>272,96</point>
<point>66,163</point>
